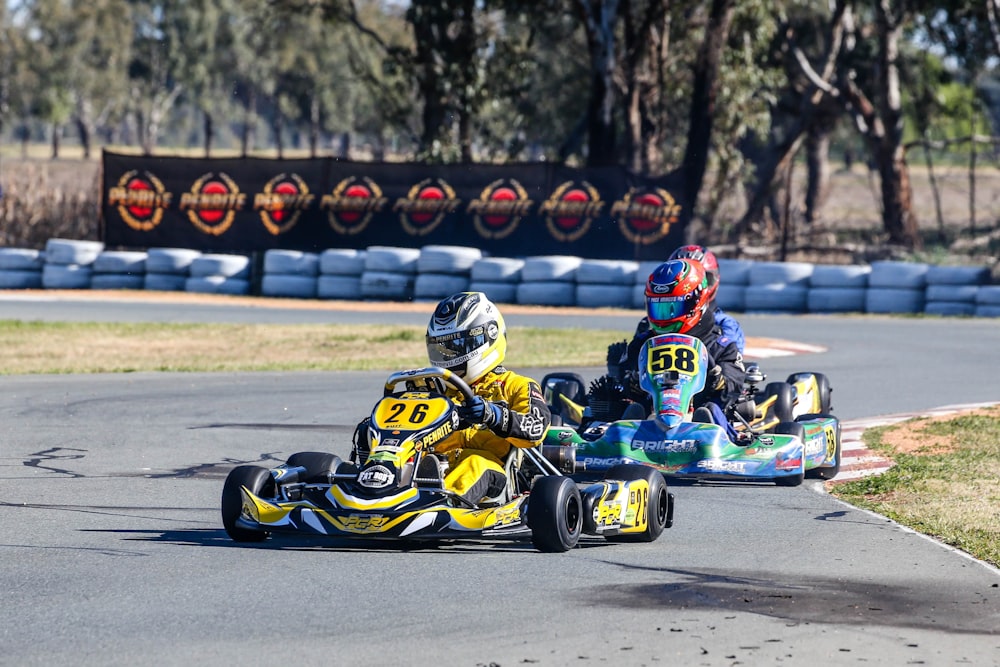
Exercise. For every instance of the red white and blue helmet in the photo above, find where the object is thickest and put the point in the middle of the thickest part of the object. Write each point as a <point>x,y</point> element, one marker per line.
<point>677,296</point>
<point>700,253</point>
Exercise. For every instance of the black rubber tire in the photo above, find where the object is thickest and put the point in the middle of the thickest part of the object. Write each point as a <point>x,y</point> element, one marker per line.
<point>784,403</point>
<point>831,471</point>
<point>790,428</point>
<point>254,478</point>
<point>824,389</point>
<point>555,514</point>
<point>825,393</point>
<point>657,505</point>
<point>317,464</point>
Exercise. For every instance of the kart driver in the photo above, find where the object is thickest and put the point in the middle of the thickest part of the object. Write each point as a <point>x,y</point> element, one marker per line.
<point>467,335</point>
<point>678,296</point>
<point>731,329</point>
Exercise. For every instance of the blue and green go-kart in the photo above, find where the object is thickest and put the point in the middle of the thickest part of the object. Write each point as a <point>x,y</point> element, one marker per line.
<point>393,486</point>
<point>672,370</point>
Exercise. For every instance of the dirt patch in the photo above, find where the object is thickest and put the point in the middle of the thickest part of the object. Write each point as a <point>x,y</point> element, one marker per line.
<point>912,438</point>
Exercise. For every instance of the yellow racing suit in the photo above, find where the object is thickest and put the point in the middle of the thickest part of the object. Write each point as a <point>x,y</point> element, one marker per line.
<point>475,454</point>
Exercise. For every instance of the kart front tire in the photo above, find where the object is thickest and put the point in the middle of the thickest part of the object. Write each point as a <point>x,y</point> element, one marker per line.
<point>318,465</point>
<point>657,505</point>
<point>791,428</point>
<point>254,478</point>
<point>555,514</point>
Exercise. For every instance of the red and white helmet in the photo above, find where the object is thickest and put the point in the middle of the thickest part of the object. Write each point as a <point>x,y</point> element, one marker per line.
<point>707,259</point>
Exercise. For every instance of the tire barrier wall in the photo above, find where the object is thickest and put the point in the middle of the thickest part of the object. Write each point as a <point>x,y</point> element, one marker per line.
<point>430,273</point>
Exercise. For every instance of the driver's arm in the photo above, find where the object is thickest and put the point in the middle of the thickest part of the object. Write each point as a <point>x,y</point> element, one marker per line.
<point>525,417</point>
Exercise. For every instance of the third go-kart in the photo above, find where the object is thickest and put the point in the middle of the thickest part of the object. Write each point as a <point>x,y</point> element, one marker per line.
<point>393,488</point>
<point>672,370</point>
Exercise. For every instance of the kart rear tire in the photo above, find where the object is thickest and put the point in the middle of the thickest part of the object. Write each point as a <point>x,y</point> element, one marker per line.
<point>318,465</point>
<point>555,514</point>
<point>826,472</point>
<point>255,479</point>
<point>791,428</point>
<point>823,388</point>
<point>784,402</point>
<point>657,506</point>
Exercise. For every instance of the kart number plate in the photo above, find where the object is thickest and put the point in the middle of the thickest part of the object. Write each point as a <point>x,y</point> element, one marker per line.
<point>671,357</point>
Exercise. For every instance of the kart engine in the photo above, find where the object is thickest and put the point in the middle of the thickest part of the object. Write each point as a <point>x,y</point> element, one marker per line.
<point>607,399</point>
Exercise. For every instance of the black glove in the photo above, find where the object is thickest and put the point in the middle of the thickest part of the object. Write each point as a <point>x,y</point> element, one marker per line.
<point>716,380</point>
<point>480,411</point>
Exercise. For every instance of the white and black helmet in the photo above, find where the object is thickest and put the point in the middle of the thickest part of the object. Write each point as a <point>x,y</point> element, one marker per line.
<point>467,335</point>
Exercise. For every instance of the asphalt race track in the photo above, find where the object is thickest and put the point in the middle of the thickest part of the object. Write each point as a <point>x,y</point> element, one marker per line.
<point>112,550</point>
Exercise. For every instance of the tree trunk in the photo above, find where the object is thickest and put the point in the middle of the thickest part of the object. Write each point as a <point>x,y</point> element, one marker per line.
<point>314,127</point>
<point>208,125</point>
<point>818,171</point>
<point>599,18</point>
<point>897,196</point>
<point>277,127</point>
<point>249,117</point>
<point>56,131</point>
<point>899,219</point>
<point>703,95</point>
<point>85,133</point>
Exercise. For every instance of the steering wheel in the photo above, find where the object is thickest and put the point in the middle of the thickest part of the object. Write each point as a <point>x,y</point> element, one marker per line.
<point>442,374</point>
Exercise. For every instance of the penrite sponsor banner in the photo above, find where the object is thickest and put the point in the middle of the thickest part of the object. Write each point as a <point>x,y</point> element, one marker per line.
<point>254,204</point>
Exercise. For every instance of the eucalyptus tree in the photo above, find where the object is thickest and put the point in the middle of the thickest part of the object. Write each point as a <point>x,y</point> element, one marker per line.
<point>49,54</point>
<point>201,28</point>
<point>78,60</point>
<point>155,68</point>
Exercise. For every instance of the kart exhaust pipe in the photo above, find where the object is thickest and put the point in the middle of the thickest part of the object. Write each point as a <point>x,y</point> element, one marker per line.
<point>563,458</point>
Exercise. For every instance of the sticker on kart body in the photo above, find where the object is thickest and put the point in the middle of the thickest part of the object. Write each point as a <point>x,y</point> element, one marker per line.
<point>686,446</point>
<point>362,523</point>
<point>815,446</point>
<point>376,477</point>
<point>716,465</point>
<point>507,516</point>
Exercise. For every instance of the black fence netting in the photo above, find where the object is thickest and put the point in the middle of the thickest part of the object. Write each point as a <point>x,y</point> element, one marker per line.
<point>255,204</point>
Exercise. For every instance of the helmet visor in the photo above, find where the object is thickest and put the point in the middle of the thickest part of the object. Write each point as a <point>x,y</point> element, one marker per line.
<point>456,348</point>
<point>664,309</point>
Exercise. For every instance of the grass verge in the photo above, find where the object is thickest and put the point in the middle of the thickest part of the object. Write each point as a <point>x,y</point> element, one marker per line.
<point>63,347</point>
<point>943,483</point>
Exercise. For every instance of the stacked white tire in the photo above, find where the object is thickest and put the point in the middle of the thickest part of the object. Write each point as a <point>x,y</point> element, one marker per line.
<point>340,272</point>
<point>896,287</point>
<point>167,268</point>
<point>390,273</point>
<point>443,271</point>
<point>952,290</point>
<point>605,283</point>
<point>549,280</point>
<point>290,273</point>
<point>734,280</point>
<point>988,301</point>
<point>119,269</point>
<point>838,288</point>
<point>497,278</point>
<point>69,263</point>
<point>21,268</point>
<point>776,287</point>
<point>219,274</point>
